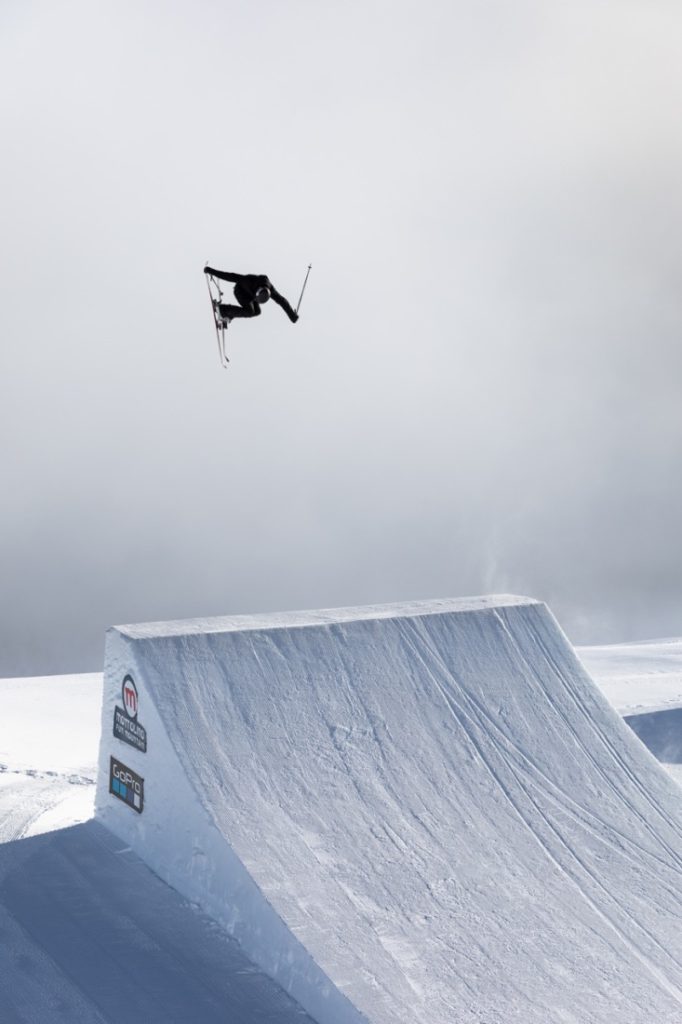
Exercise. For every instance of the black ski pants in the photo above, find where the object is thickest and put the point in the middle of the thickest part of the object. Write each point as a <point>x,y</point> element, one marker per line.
<point>247,305</point>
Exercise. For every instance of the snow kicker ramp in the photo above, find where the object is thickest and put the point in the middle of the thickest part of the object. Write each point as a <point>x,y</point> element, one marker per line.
<point>419,813</point>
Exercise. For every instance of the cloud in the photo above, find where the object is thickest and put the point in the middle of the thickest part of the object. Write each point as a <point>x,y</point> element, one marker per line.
<point>482,390</point>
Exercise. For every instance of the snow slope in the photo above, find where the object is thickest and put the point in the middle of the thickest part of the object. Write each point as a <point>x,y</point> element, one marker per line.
<point>422,813</point>
<point>88,934</point>
<point>49,738</point>
<point>644,681</point>
<point>637,677</point>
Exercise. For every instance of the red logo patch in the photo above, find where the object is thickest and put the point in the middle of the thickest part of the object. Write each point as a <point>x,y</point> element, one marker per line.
<point>130,698</point>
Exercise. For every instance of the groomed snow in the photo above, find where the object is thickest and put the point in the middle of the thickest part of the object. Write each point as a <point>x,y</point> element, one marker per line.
<point>440,807</point>
<point>644,682</point>
<point>90,934</point>
<point>49,740</point>
<point>318,617</point>
<point>637,677</point>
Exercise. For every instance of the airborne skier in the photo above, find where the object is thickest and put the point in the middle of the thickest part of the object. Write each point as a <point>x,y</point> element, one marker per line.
<point>250,291</point>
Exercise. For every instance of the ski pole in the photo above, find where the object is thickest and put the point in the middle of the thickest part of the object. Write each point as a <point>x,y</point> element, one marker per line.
<point>303,288</point>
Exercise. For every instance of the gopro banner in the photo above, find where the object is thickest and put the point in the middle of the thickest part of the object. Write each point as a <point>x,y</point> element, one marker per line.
<point>126,784</point>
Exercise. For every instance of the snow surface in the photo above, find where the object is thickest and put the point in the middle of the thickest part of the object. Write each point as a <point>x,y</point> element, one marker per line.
<point>441,809</point>
<point>575,896</point>
<point>88,933</point>
<point>91,936</point>
<point>49,739</point>
<point>644,682</point>
<point>637,677</point>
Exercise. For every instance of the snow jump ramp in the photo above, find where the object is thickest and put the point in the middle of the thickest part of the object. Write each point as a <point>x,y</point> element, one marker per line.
<point>421,813</point>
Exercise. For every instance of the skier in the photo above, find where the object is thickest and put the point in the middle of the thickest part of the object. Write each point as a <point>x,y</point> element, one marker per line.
<point>250,291</point>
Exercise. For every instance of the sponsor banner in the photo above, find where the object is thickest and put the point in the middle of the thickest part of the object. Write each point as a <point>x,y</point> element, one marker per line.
<point>130,731</point>
<point>126,784</point>
<point>126,726</point>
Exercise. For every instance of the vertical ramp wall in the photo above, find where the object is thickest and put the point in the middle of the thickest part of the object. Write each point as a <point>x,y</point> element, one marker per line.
<point>145,797</point>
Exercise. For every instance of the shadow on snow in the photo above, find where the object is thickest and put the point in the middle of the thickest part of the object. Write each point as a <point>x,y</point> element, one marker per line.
<point>89,934</point>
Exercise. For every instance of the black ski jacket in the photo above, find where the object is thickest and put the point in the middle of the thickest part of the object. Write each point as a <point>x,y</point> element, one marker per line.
<point>246,289</point>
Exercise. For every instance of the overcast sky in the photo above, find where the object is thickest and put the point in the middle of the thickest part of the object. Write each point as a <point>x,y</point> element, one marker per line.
<point>483,391</point>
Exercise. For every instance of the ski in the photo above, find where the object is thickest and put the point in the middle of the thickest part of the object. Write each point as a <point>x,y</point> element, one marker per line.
<point>220,325</point>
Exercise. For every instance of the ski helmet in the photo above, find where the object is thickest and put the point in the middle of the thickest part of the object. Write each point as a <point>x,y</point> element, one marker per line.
<point>263,293</point>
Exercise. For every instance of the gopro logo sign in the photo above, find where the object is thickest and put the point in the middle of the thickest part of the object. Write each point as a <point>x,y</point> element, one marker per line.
<point>126,784</point>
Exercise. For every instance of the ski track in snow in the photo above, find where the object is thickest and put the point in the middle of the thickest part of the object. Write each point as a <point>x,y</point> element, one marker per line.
<point>49,731</point>
<point>28,796</point>
<point>533,782</point>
